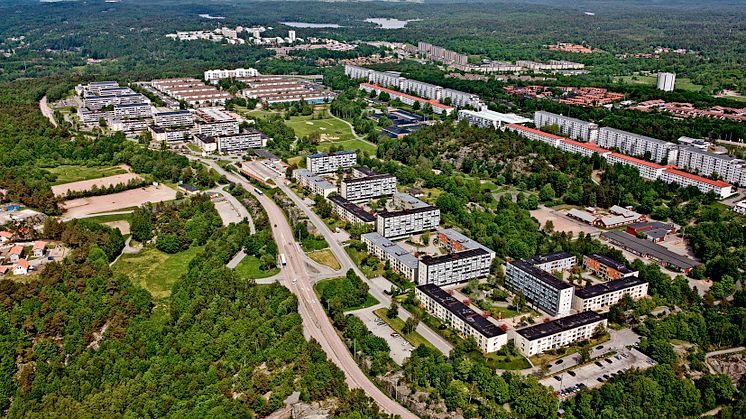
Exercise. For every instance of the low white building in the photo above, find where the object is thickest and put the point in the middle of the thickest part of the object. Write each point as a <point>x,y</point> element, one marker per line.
<point>316,184</point>
<point>490,119</point>
<point>602,296</point>
<point>169,135</point>
<point>400,260</point>
<point>206,143</point>
<point>740,207</point>
<point>648,170</point>
<point>684,179</point>
<point>542,337</point>
<point>213,76</point>
<point>467,322</point>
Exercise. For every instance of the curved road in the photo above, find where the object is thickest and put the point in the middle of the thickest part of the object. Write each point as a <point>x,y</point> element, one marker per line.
<point>316,324</point>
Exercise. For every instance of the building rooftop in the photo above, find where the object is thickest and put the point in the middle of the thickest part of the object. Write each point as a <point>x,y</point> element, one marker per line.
<point>437,260</point>
<point>607,261</point>
<point>131,105</point>
<point>392,249</point>
<point>432,102</point>
<point>646,247</point>
<point>392,214</point>
<point>410,200</point>
<point>506,118</point>
<point>549,257</point>
<point>536,131</point>
<point>465,242</point>
<point>460,310</point>
<point>170,113</point>
<point>607,287</point>
<point>716,183</point>
<point>318,180</point>
<point>560,325</point>
<point>367,178</point>
<point>566,118</point>
<point>589,146</point>
<point>540,274</point>
<point>337,153</point>
<point>205,138</point>
<point>187,187</point>
<point>637,161</point>
<point>365,171</point>
<point>358,212</point>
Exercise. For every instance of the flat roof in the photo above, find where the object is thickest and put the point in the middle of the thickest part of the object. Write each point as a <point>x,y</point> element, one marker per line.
<point>485,327</point>
<point>437,260</point>
<point>392,214</point>
<point>636,160</point>
<point>411,200</point>
<point>336,153</point>
<point>131,105</point>
<point>365,170</point>
<point>716,183</point>
<point>589,146</point>
<point>432,102</point>
<point>566,118</point>
<point>392,249</point>
<point>646,247</point>
<point>358,212</point>
<point>508,118</point>
<point>367,178</point>
<point>540,274</point>
<point>560,325</point>
<point>639,136</point>
<point>465,241</point>
<point>170,113</point>
<point>550,257</point>
<point>607,287</point>
<point>318,180</point>
<point>607,261</point>
<point>536,131</point>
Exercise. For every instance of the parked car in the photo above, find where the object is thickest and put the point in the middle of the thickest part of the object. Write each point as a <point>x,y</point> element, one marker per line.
<point>558,378</point>
<point>572,373</point>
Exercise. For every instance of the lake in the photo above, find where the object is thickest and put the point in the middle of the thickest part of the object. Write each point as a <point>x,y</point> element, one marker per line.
<point>388,23</point>
<point>310,25</point>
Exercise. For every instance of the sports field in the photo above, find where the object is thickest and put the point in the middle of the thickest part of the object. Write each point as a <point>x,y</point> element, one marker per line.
<point>74,173</point>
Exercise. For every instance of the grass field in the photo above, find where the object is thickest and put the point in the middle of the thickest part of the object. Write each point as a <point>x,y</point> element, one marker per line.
<point>75,173</point>
<point>100,219</point>
<point>332,128</point>
<point>248,268</point>
<point>650,80</point>
<point>414,338</point>
<point>325,257</point>
<point>154,270</point>
<point>350,145</point>
<point>357,257</point>
<point>507,362</point>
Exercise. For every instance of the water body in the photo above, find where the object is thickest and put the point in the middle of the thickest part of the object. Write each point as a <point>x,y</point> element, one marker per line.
<point>310,25</point>
<point>209,16</point>
<point>389,23</point>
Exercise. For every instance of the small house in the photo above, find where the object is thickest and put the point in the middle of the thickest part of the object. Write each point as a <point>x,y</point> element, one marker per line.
<point>21,267</point>
<point>39,248</point>
<point>15,254</point>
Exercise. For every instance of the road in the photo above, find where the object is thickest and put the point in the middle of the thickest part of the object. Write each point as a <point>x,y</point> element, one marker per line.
<point>47,111</point>
<point>709,355</point>
<point>316,324</point>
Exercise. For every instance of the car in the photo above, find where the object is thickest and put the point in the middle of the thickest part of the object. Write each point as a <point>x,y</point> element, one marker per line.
<point>600,379</point>
<point>558,378</point>
<point>582,385</point>
<point>608,360</point>
<point>599,364</point>
<point>559,361</point>
<point>606,376</point>
<point>572,373</point>
<point>599,347</point>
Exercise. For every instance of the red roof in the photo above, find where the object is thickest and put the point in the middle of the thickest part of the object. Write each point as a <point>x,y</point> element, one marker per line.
<point>433,102</point>
<point>638,161</point>
<point>589,146</point>
<point>22,263</point>
<point>535,131</point>
<point>718,183</point>
<point>16,250</point>
<point>6,234</point>
<point>39,245</point>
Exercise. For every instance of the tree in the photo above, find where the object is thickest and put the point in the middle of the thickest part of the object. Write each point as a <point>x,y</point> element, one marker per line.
<point>393,311</point>
<point>410,325</point>
<point>585,354</point>
<point>546,193</point>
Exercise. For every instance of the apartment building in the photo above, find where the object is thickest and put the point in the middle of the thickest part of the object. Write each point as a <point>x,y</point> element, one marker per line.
<point>408,99</point>
<point>554,262</point>
<point>218,128</point>
<point>399,259</point>
<point>96,102</point>
<point>173,119</point>
<point>95,87</point>
<point>541,288</point>
<point>490,119</point>
<point>213,76</point>
<point>456,242</point>
<point>357,72</point>
<point>314,183</point>
<point>133,111</point>
<point>242,141</point>
<point>740,207</point>
<point>648,170</point>
<point>684,179</point>
<point>407,201</point>
<point>600,297</point>
<point>350,212</point>
<point>362,171</point>
<point>536,339</point>
<point>467,322</point>
<point>441,54</point>
<point>129,126</point>
<point>331,162</point>
<point>535,134</point>
<point>366,188</point>
<point>607,268</point>
<point>574,128</point>
<point>454,267</point>
<point>696,160</point>
<point>206,143</point>
<point>169,134</point>
<point>584,149</point>
<point>407,222</point>
<point>90,118</point>
<point>638,145</point>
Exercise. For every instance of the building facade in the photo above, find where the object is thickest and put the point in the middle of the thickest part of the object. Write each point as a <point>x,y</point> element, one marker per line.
<point>574,128</point>
<point>314,183</point>
<point>633,144</point>
<point>534,340</point>
<point>330,162</point>
<point>366,188</point>
<point>454,267</point>
<point>541,288</point>
<point>399,259</point>
<point>242,141</point>
<point>350,212</point>
<point>173,119</point>
<point>607,268</point>
<point>600,297</point>
<point>407,222</point>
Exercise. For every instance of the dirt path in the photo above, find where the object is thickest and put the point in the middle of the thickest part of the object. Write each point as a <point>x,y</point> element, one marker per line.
<point>47,111</point>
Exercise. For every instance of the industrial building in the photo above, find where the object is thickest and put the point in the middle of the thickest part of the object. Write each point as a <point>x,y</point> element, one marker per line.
<point>650,250</point>
<point>536,339</point>
<point>467,322</point>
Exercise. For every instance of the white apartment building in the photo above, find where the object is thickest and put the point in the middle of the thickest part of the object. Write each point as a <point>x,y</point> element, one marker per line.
<point>314,183</point>
<point>407,201</point>
<point>467,322</point>
<point>600,297</point>
<point>536,135</point>
<point>90,118</point>
<point>408,99</point>
<point>400,260</point>
<point>554,262</point>
<point>350,212</point>
<point>461,99</point>
<point>648,170</point>
<point>574,128</point>
<point>490,119</point>
<point>740,207</point>
<point>684,179</point>
<point>421,89</point>
<point>436,53</point>
<point>130,126</point>
<point>95,103</point>
<point>213,76</point>
<point>638,145</point>
<point>206,143</point>
<point>330,162</point>
<point>703,162</point>
<point>168,134</point>
<point>133,111</point>
<point>666,81</point>
<point>357,72</point>
<point>173,119</point>
<point>218,128</point>
<point>584,149</point>
<point>454,267</point>
<point>95,87</point>
<point>366,188</point>
<point>407,222</point>
<point>536,339</point>
<point>242,141</point>
<point>541,288</point>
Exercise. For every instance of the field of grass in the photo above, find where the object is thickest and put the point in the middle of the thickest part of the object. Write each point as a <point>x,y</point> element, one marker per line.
<point>100,219</point>
<point>154,270</point>
<point>350,145</point>
<point>414,338</point>
<point>325,257</point>
<point>334,129</point>
<point>248,268</point>
<point>357,257</point>
<point>507,362</point>
<point>650,80</point>
<point>76,173</point>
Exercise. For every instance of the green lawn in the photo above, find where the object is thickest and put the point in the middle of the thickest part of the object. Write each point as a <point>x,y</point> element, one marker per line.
<point>249,268</point>
<point>414,338</point>
<point>154,270</point>
<point>331,129</point>
<point>682,83</point>
<point>100,219</point>
<point>507,362</point>
<point>357,257</point>
<point>75,173</point>
<point>325,257</point>
<point>350,145</point>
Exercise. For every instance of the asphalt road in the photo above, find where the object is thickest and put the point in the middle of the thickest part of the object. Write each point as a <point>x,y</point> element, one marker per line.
<point>316,324</point>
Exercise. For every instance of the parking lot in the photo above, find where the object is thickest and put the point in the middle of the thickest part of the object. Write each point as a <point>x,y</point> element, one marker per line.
<point>400,348</point>
<point>598,372</point>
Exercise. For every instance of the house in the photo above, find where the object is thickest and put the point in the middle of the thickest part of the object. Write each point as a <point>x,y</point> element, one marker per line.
<point>4,269</point>
<point>21,267</point>
<point>5,236</point>
<point>15,254</point>
<point>39,248</point>
<point>187,188</point>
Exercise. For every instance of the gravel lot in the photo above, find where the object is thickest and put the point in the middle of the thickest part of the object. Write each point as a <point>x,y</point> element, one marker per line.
<point>77,208</point>
<point>84,185</point>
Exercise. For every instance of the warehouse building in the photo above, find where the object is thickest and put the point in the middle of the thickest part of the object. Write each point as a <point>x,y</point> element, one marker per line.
<point>536,339</point>
<point>467,322</point>
<point>650,250</point>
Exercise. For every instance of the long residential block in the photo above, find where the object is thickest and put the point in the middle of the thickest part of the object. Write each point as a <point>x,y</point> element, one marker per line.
<point>365,188</point>
<point>638,145</point>
<point>454,267</point>
<point>539,287</point>
<point>242,141</point>
<point>400,260</point>
<point>606,267</point>
<point>534,340</point>
<point>330,162</point>
<point>350,212</point>
<point>407,222</point>
<point>314,183</point>
<point>173,119</point>
<point>574,128</point>
<point>705,163</point>
<point>467,322</point>
<point>602,296</point>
